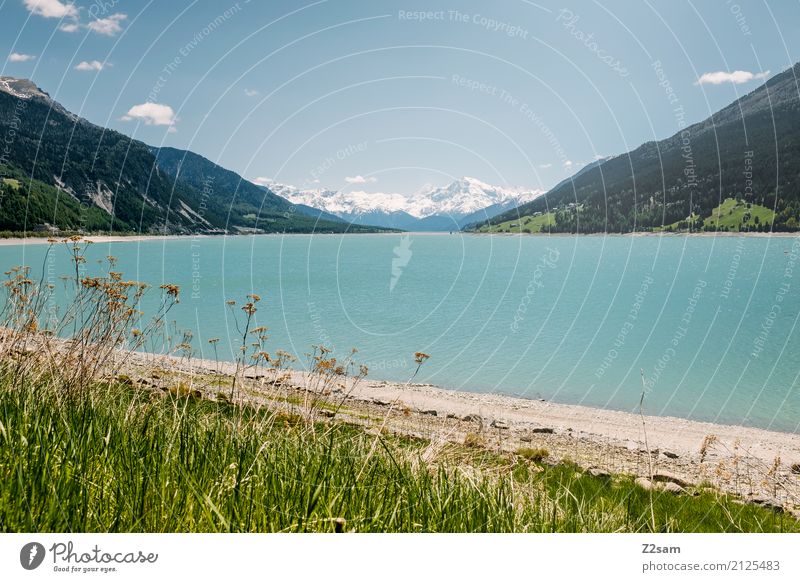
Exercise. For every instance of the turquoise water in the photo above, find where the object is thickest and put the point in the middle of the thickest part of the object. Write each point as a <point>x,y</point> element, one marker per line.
<point>711,322</point>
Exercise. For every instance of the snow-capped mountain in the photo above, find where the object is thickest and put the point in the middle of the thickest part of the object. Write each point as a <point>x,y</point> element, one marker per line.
<point>466,196</point>
<point>21,88</point>
<point>344,203</point>
<point>447,207</point>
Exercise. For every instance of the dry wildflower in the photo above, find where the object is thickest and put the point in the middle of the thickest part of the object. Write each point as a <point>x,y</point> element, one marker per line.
<point>771,477</point>
<point>420,357</point>
<point>172,290</point>
<point>707,443</point>
<point>773,470</point>
<point>721,471</point>
<point>281,358</point>
<point>325,365</point>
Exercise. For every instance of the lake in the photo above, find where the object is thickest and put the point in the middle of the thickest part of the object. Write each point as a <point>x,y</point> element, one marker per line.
<point>708,323</point>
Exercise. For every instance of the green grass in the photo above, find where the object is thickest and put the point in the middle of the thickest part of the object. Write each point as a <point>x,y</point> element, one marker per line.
<point>537,455</point>
<point>731,213</point>
<point>525,224</point>
<point>691,220</point>
<point>118,459</point>
<point>12,182</point>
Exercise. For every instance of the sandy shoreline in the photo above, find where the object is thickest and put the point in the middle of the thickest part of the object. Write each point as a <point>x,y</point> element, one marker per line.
<point>679,435</point>
<point>36,240</point>
<point>673,434</point>
<point>738,460</point>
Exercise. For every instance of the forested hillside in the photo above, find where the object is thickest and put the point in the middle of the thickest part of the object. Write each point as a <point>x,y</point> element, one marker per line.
<point>58,170</point>
<point>749,152</point>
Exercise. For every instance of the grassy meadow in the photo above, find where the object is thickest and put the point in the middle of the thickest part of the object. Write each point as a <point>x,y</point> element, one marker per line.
<point>734,214</point>
<point>116,459</point>
<point>524,224</point>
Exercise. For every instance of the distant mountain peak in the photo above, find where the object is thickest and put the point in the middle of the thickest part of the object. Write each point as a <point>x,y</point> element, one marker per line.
<point>467,195</point>
<point>22,88</point>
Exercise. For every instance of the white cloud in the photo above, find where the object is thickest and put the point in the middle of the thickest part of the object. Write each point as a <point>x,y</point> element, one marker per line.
<point>250,92</point>
<point>152,114</point>
<point>68,11</point>
<point>736,77</point>
<point>360,179</point>
<point>568,163</point>
<point>51,8</point>
<point>107,26</point>
<point>261,181</point>
<point>545,166</point>
<point>20,58</point>
<point>91,66</point>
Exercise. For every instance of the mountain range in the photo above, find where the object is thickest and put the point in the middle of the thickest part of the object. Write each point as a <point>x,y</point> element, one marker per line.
<point>59,171</point>
<point>738,170</point>
<point>432,208</point>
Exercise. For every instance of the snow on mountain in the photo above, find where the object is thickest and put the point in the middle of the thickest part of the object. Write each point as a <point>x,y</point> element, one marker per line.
<point>464,197</point>
<point>455,201</point>
<point>21,88</point>
<point>340,203</point>
<point>28,90</point>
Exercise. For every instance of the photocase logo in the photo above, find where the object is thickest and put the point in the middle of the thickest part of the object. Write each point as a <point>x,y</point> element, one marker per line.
<point>402,256</point>
<point>31,555</point>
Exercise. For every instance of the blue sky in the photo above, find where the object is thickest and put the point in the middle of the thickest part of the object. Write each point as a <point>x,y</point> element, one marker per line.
<point>380,96</point>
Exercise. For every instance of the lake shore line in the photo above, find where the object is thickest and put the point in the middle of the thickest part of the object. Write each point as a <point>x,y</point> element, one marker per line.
<point>36,240</point>
<point>644,234</point>
<point>756,464</point>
